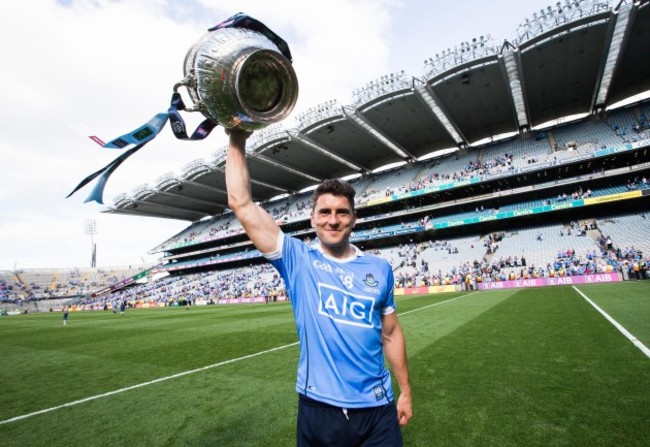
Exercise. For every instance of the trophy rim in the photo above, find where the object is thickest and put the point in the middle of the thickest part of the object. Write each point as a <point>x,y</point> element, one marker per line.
<point>288,96</point>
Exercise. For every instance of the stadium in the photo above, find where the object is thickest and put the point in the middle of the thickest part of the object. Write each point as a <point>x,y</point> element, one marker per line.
<point>505,168</point>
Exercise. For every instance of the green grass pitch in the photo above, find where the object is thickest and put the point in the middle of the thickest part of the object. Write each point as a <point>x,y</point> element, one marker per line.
<point>527,367</point>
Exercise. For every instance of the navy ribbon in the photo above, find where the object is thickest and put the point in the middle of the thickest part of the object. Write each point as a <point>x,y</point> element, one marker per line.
<point>241,20</point>
<point>178,124</point>
<point>148,131</point>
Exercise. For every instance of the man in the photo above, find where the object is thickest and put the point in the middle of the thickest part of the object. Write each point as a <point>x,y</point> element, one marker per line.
<point>345,316</point>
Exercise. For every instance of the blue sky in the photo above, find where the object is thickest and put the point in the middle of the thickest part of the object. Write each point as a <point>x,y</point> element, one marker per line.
<point>79,67</point>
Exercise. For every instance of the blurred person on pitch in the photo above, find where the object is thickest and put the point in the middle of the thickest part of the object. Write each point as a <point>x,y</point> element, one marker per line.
<point>345,316</point>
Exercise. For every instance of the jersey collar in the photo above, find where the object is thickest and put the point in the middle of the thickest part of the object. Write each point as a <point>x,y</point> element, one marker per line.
<point>357,253</point>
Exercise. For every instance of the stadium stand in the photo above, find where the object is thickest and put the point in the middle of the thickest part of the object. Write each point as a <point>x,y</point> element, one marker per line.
<point>629,231</point>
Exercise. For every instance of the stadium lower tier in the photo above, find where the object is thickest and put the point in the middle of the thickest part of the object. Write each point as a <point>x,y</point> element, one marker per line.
<point>522,257</point>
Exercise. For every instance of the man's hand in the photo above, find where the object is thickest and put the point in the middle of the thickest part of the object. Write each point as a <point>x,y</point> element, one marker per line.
<point>238,135</point>
<point>404,409</point>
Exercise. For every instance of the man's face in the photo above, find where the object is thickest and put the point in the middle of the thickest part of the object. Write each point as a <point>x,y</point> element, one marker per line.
<point>333,219</point>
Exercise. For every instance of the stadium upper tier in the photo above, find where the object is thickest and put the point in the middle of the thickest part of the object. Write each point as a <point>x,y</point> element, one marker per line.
<point>523,164</point>
<point>577,57</point>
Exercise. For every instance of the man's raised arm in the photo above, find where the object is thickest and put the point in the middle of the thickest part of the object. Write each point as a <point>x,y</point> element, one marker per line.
<point>258,224</point>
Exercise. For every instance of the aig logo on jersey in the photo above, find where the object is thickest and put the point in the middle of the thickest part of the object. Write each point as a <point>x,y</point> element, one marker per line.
<point>344,307</point>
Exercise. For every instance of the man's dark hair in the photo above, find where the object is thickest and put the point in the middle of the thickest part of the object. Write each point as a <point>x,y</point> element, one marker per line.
<point>336,188</point>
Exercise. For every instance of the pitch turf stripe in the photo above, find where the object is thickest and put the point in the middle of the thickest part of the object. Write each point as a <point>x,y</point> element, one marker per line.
<point>635,341</point>
<point>140,385</point>
<point>435,304</point>
<point>175,376</point>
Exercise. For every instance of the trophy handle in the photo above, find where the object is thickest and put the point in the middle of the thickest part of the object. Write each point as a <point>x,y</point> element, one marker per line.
<point>189,82</point>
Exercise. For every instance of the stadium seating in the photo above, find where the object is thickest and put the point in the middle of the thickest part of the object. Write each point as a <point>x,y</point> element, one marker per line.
<point>628,231</point>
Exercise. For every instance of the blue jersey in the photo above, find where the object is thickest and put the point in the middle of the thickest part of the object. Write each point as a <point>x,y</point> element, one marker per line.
<point>337,306</point>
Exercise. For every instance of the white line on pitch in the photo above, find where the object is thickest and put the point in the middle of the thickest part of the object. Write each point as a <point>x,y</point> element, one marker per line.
<point>436,304</point>
<point>140,385</point>
<point>104,318</point>
<point>635,341</point>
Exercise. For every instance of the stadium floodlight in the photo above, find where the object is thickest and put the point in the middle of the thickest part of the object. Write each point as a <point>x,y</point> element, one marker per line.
<point>91,229</point>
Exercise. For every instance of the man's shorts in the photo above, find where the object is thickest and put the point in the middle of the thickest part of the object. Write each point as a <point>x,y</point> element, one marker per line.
<point>320,424</point>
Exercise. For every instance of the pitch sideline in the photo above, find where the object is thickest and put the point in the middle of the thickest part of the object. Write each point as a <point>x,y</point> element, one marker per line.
<point>635,341</point>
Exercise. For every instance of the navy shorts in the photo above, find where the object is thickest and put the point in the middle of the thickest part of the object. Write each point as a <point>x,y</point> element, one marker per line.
<point>323,425</point>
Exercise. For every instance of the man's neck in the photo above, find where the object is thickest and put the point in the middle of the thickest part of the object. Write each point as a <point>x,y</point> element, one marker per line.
<point>342,252</point>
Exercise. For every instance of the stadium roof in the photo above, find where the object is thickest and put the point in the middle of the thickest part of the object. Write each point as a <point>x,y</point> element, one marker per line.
<point>579,57</point>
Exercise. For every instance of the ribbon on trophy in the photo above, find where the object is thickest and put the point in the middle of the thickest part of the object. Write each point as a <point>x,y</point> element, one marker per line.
<point>136,139</point>
<point>241,20</point>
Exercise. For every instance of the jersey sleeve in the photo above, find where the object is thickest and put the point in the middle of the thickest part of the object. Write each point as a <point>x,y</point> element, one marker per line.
<point>286,259</point>
<point>278,251</point>
<point>389,306</point>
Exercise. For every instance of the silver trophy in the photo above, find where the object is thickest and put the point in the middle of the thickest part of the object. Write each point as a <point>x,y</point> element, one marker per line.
<point>239,78</point>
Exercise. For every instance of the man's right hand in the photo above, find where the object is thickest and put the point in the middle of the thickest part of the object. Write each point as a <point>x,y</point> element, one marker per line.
<point>238,135</point>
